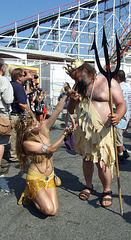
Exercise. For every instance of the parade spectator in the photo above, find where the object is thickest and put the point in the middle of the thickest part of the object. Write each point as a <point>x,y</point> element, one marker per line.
<point>33,96</point>
<point>94,136</point>
<point>18,106</point>
<point>6,98</point>
<point>10,71</point>
<point>128,84</point>
<point>28,86</point>
<point>65,111</point>
<point>39,104</point>
<point>122,125</point>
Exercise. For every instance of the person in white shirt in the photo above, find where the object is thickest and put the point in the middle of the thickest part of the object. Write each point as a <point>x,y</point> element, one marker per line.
<point>6,98</point>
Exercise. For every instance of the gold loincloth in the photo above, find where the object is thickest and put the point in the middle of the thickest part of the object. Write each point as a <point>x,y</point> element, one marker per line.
<point>92,139</point>
<point>36,181</point>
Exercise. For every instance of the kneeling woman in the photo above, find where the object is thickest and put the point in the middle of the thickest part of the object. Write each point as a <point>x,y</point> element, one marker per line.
<point>34,147</point>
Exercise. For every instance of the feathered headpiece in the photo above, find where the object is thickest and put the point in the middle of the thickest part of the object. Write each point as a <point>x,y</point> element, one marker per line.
<point>73,66</point>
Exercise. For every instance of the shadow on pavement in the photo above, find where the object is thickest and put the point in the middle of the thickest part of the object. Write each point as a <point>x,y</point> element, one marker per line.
<point>127,146</point>
<point>127,135</point>
<point>33,210</point>
<point>126,166</point>
<point>69,181</point>
<point>127,217</point>
<point>72,152</point>
<point>16,184</point>
<point>71,184</point>
<point>125,199</point>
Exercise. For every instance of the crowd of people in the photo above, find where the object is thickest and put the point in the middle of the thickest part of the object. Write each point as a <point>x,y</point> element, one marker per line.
<point>92,132</point>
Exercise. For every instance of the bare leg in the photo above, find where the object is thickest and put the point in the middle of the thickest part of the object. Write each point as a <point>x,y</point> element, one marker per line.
<point>88,168</point>
<point>66,119</point>
<point>72,120</point>
<point>105,177</point>
<point>1,153</point>
<point>3,168</point>
<point>46,201</point>
<point>120,149</point>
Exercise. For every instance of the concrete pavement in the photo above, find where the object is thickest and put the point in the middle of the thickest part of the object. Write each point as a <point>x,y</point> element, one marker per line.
<point>76,219</point>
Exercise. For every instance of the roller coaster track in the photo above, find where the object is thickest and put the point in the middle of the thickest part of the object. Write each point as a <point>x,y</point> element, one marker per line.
<point>33,20</point>
<point>51,30</point>
<point>125,46</point>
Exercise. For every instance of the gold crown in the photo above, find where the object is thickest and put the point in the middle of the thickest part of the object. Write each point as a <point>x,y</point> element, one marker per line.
<point>74,65</point>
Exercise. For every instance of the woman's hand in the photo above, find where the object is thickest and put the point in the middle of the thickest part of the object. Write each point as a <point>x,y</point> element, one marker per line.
<point>74,95</point>
<point>67,131</point>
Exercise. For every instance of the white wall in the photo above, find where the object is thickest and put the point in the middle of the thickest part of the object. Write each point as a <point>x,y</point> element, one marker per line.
<point>56,77</point>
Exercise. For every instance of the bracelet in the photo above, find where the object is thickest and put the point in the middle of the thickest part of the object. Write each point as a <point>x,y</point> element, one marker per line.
<point>67,93</point>
<point>65,134</point>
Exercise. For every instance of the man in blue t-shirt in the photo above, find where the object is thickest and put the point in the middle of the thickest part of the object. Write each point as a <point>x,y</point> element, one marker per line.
<point>18,106</point>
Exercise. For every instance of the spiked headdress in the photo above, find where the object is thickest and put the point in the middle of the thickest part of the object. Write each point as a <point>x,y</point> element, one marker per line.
<point>73,66</point>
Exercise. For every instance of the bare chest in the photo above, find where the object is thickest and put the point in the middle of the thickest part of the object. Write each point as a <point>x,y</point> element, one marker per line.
<point>44,139</point>
<point>99,92</point>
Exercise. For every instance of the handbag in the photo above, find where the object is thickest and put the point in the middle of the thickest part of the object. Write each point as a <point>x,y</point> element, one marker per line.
<point>69,142</point>
<point>6,126</point>
<point>57,181</point>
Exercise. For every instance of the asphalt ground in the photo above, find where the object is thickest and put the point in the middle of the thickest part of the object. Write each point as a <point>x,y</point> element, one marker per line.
<point>76,219</point>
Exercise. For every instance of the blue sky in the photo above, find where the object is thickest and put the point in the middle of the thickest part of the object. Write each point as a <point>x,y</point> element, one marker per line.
<point>14,10</point>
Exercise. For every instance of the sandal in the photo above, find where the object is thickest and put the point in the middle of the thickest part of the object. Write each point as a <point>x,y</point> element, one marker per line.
<point>3,170</point>
<point>84,195</point>
<point>4,165</point>
<point>103,199</point>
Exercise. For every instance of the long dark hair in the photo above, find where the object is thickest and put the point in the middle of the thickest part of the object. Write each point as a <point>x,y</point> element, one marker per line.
<point>23,127</point>
<point>91,70</point>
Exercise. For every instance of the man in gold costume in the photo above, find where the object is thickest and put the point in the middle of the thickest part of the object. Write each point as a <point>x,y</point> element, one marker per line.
<point>93,136</point>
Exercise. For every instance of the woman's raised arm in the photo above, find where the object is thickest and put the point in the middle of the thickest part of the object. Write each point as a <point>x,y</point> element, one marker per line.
<point>51,120</point>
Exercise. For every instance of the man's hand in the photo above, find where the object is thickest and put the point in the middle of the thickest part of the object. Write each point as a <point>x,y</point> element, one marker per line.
<point>114,118</point>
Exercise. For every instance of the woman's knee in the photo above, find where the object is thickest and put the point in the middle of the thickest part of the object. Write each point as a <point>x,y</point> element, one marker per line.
<point>54,212</point>
<point>49,210</point>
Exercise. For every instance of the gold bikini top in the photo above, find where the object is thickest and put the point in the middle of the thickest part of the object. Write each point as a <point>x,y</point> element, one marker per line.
<point>36,157</point>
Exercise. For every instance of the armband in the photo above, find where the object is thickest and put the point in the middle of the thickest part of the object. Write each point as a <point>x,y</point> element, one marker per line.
<point>44,148</point>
